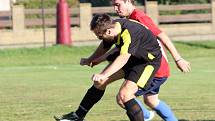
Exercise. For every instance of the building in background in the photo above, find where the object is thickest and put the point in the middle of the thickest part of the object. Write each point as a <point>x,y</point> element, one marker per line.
<point>5,5</point>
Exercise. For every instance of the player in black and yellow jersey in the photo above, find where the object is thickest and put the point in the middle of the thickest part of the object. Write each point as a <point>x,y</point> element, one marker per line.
<point>135,58</point>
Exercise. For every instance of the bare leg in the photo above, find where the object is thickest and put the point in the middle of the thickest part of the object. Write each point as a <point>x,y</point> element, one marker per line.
<point>126,95</point>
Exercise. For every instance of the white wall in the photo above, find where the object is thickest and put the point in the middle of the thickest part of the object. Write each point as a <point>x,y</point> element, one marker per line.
<point>4,5</point>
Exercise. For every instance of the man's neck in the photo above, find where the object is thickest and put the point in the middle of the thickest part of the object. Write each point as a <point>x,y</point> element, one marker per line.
<point>130,10</point>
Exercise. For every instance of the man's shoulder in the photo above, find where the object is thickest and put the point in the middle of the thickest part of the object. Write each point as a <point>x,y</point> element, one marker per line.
<point>137,13</point>
<point>125,23</point>
<point>120,20</point>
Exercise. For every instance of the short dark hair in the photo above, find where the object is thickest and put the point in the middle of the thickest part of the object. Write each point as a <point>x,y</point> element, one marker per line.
<point>101,22</point>
<point>132,1</point>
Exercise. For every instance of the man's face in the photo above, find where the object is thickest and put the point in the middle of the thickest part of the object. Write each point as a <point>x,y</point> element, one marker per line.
<point>121,7</point>
<point>107,36</point>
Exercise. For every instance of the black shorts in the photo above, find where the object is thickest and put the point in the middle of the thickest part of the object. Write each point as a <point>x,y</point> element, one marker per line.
<point>138,70</point>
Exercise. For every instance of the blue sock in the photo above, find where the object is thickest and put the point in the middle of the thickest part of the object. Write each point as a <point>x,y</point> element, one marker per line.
<point>146,113</point>
<point>164,111</point>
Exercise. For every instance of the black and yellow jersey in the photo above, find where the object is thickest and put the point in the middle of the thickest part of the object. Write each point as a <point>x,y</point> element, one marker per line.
<point>136,39</point>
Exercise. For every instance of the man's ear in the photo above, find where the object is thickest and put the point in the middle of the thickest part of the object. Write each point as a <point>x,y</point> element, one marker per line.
<point>108,32</point>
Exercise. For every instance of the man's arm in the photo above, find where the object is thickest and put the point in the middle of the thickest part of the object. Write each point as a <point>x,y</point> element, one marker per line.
<point>118,63</point>
<point>181,63</point>
<point>98,52</point>
<point>103,57</point>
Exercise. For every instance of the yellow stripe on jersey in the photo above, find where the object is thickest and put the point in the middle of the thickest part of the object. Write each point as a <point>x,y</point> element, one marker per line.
<point>145,76</point>
<point>150,56</point>
<point>126,41</point>
<point>118,39</point>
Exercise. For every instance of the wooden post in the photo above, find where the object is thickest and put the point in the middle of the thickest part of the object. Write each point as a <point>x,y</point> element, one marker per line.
<point>18,18</point>
<point>85,15</point>
<point>213,14</point>
<point>152,10</point>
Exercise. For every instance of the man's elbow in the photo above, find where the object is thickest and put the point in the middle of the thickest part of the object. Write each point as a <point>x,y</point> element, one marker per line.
<point>125,57</point>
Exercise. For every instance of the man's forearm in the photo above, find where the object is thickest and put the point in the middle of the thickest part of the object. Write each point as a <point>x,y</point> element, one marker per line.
<point>98,52</point>
<point>169,45</point>
<point>118,63</point>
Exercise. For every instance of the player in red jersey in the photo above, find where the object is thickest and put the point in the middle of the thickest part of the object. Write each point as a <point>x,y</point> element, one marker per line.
<point>126,8</point>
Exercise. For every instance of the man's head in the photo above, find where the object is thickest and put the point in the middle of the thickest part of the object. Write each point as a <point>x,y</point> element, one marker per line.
<point>103,27</point>
<point>123,7</point>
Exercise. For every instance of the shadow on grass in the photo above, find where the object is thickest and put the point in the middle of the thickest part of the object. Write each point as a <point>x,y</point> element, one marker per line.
<point>194,120</point>
<point>200,45</point>
<point>206,120</point>
<point>178,120</point>
<point>119,120</point>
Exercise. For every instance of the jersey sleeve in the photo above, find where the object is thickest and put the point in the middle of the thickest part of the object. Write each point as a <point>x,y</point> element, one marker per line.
<point>128,45</point>
<point>145,20</point>
<point>106,44</point>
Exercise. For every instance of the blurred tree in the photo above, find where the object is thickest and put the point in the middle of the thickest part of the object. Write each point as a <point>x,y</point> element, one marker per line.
<point>52,3</point>
<point>47,3</point>
<point>97,2</point>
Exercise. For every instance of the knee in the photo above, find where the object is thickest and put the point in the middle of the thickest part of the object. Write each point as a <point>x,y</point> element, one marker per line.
<point>151,101</point>
<point>119,101</point>
<point>121,96</point>
<point>127,92</point>
<point>125,95</point>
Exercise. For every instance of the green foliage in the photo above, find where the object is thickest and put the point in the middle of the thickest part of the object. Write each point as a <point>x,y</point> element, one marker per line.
<point>97,2</point>
<point>47,3</point>
<point>52,3</point>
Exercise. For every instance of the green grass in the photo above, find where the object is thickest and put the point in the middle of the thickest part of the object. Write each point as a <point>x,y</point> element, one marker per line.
<point>36,84</point>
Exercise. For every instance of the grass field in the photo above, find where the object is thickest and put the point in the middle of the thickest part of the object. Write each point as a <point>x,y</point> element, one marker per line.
<point>36,84</point>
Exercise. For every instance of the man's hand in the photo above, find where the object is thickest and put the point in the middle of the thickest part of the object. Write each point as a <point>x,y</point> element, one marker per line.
<point>95,62</point>
<point>183,65</point>
<point>98,79</point>
<point>85,61</point>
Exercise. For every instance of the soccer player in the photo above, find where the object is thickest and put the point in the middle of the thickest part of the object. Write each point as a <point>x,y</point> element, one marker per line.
<point>136,58</point>
<point>126,8</point>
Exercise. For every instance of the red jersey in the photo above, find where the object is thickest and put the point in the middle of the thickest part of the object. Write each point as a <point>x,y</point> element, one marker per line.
<point>140,16</point>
